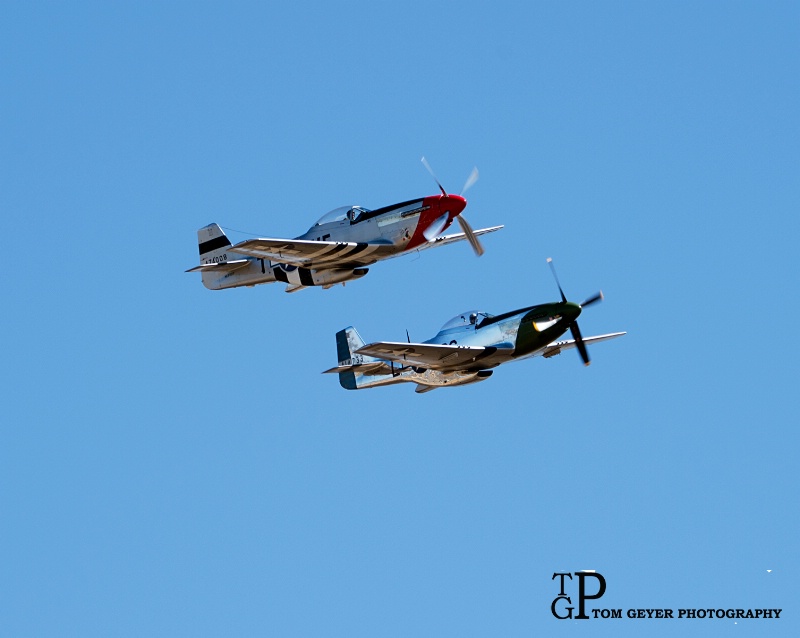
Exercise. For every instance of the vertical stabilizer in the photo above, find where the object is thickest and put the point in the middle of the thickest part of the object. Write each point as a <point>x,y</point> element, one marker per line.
<point>213,244</point>
<point>348,341</point>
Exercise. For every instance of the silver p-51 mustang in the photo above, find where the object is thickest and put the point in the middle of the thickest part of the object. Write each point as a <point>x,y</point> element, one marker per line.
<point>339,247</point>
<point>466,348</point>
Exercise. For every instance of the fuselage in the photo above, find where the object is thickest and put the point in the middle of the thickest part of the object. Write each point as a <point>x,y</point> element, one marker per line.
<point>525,330</point>
<point>401,225</point>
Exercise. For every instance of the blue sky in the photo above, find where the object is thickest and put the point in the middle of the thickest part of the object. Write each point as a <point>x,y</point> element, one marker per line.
<point>174,463</point>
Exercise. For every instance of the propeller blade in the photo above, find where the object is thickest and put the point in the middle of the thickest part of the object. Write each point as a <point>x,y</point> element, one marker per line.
<point>435,179</point>
<point>473,177</point>
<point>576,334</point>
<point>432,231</point>
<point>555,276</point>
<point>593,299</point>
<point>471,236</point>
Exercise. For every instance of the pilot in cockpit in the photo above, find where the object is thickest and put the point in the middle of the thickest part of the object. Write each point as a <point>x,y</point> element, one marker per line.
<point>473,318</point>
<point>352,214</point>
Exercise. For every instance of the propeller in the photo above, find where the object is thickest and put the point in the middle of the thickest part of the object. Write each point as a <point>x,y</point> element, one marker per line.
<point>555,276</point>
<point>435,179</point>
<point>574,329</point>
<point>473,177</point>
<point>576,334</point>
<point>593,299</point>
<point>438,225</point>
<point>472,238</point>
<point>432,231</point>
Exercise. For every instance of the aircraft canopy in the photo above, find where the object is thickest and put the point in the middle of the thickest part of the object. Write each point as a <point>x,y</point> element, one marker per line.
<point>470,317</point>
<point>341,213</point>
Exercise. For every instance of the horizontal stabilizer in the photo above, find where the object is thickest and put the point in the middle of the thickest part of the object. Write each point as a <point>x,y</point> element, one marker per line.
<point>424,388</point>
<point>223,266</point>
<point>294,287</point>
<point>376,367</point>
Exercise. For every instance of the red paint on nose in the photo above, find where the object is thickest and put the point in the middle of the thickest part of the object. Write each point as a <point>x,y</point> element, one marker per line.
<point>453,203</point>
<point>436,206</point>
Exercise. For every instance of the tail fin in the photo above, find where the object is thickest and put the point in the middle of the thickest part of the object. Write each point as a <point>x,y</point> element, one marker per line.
<point>347,342</point>
<point>213,244</point>
<point>358,371</point>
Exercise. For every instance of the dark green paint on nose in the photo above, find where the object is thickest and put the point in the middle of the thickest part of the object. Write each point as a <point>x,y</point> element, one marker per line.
<point>543,324</point>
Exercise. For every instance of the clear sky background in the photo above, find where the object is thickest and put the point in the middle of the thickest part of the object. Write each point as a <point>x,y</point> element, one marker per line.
<point>172,461</point>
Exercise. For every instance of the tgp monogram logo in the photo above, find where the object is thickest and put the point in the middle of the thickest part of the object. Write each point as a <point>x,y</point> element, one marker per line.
<point>562,606</point>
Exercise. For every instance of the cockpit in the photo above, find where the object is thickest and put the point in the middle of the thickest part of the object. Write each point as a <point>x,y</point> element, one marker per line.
<point>471,318</point>
<point>350,213</point>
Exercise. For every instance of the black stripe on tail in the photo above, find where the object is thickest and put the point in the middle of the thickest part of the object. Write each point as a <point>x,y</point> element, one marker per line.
<point>214,244</point>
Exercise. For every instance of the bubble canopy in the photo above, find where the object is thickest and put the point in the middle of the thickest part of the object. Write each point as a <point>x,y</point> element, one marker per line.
<point>464,319</point>
<point>340,214</point>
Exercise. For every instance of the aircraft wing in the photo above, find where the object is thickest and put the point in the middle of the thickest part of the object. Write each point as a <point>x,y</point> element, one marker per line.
<point>557,346</point>
<point>333,254</point>
<point>314,254</point>
<point>449,239</point>
<point>429,355</point>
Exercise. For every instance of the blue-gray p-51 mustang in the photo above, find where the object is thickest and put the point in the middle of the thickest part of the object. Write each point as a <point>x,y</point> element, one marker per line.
<point>466,348</point>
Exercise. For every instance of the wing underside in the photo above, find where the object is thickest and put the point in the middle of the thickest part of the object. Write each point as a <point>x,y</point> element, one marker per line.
<point>314,254</point>
<point>432,356</point>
